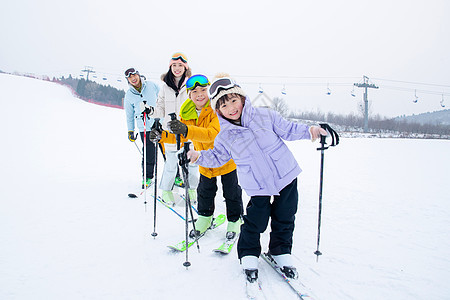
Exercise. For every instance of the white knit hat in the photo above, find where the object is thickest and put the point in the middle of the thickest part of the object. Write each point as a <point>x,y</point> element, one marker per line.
<point>232,88</point>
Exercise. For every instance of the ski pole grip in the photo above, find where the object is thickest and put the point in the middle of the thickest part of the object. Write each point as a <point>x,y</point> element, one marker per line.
<point>186,146</point>
<point>334,135</point>
<point>173,116</point>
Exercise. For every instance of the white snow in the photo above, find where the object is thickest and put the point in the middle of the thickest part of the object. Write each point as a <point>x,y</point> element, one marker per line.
<point>69,231</point>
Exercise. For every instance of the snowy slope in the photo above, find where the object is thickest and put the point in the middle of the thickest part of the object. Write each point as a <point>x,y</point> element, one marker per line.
<point>69,231</point>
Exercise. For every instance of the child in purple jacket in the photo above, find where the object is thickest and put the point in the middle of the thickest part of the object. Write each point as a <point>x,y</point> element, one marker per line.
<point>253,138</point>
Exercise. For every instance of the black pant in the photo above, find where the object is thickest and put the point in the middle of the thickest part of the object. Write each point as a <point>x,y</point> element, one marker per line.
<point>150,153</point>
<point>232,192</point>
<point>282,211</point>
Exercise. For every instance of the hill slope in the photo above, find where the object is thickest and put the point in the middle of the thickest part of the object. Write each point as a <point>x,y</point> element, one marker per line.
<point>441,117</point>
<point>68,230</point>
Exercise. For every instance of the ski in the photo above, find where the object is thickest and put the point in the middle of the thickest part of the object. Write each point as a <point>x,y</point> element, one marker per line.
<point>182,196</point>
<point>160,200</point>
<point>227,246</point>
<point>219,220</point>
<point>295,284</point>
<point>254,291</point>
<point>132,195</point>
<point>253,287</point>
<point>168,205</point>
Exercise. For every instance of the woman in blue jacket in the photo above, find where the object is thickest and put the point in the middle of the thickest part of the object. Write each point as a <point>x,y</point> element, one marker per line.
<point>140,93</point>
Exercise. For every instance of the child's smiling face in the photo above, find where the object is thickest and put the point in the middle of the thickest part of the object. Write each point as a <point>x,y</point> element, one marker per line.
<point>232,107</point>
<point>199,96</point>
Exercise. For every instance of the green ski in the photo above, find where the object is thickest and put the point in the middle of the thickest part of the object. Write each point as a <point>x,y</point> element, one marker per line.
<point>227,246</point>
<point>219,220</point>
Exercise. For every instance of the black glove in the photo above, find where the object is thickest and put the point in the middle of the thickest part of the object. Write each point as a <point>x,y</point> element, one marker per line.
<point>155,135</point>
<point>131,136</point>
<point>177,127</point>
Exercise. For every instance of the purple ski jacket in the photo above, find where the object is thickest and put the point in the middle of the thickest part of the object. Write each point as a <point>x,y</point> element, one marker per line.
<point>264,163</point>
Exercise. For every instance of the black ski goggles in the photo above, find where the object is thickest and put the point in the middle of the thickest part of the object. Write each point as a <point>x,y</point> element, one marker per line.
<point>221,84</point>
<point>130,71</point>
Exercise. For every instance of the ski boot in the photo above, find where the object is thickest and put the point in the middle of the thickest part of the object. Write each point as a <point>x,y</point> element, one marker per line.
<point>233,229</point>
<point>179,182</point>
<point>201,225</point>
<point>146,183</point>
<point>251,274</point>
<point>193,195</point>
<point>167,197</point>
<point>286,266</point>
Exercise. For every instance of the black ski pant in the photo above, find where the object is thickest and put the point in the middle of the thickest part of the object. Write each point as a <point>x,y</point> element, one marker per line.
<point>282,213</point>
<point>150,153</point>
<point>232,192</point>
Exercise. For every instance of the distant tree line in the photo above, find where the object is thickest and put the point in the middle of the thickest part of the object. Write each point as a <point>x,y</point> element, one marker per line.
<point>91,90</point>
<point>352,122</point>
<point>376,123</point>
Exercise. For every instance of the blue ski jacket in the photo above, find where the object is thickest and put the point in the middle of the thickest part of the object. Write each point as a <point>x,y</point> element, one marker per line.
<point>132,101</point>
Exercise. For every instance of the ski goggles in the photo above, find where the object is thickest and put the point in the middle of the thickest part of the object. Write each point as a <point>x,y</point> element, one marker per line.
<point>181,56</point>
<point>196,80</point>
<point>130,71</point>
<point>221,84</point>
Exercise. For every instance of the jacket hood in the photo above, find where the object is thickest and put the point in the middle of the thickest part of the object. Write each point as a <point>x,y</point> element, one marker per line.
<point>188,111</point>
<point>246,116</point>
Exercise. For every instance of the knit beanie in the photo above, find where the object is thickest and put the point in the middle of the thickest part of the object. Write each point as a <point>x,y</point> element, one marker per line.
<point>236,89</point>
<point>179,57</point>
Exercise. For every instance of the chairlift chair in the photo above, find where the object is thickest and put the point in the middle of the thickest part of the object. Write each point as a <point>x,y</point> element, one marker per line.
<point>260,89</point>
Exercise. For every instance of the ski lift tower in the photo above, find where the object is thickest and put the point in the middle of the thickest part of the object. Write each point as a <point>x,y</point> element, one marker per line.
<point>366,85</point>
<point>88,70</point>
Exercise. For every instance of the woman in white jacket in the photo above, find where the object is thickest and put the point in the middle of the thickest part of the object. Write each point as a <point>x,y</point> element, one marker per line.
<point>170,98</point>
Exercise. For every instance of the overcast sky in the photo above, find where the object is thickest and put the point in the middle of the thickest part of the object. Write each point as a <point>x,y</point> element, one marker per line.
<point>302,46</point>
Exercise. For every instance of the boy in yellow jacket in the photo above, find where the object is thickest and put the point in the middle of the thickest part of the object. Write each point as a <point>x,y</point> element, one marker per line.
<point>200,124</point>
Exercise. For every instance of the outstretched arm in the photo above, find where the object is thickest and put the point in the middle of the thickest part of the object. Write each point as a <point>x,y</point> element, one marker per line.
<point>211,158</point>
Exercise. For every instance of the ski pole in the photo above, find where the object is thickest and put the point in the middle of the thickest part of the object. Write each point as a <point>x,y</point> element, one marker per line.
<point>144,176</point>
<point>184,161</point>
<point>173,116</point>
<point>140,152</point>
<point>155,195</point>
<point>145,110</point>
<point>335,141</point>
